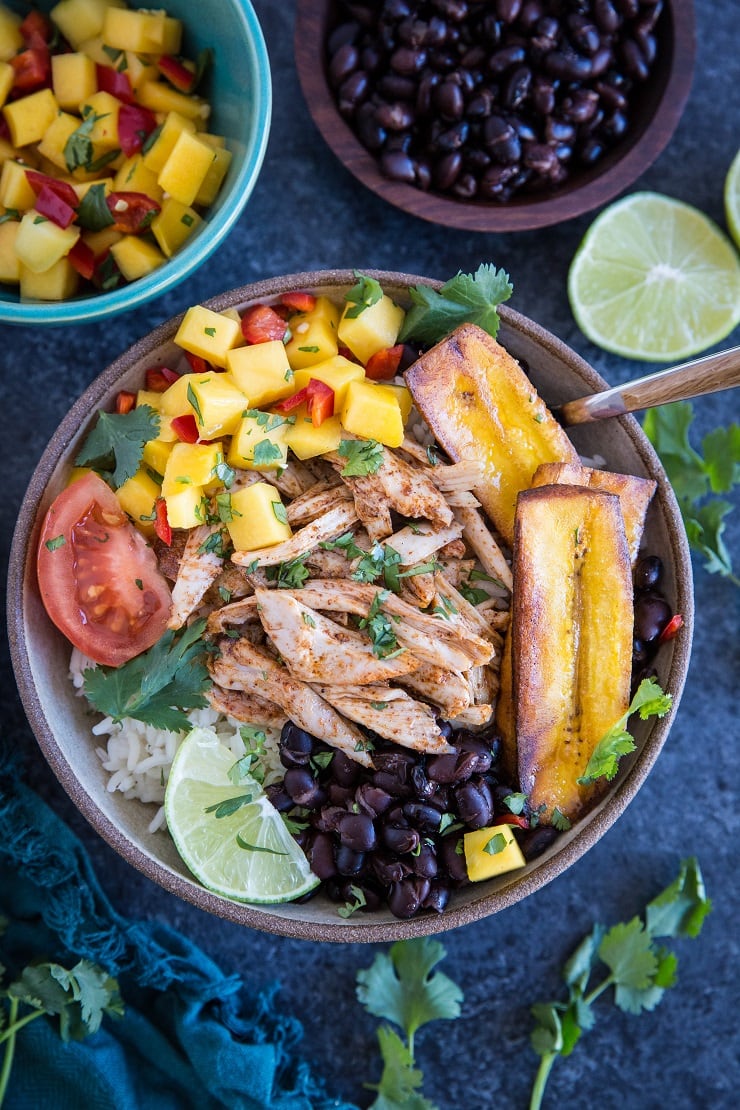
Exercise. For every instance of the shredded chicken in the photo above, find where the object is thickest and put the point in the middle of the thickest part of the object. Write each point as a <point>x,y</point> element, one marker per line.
<point>391,713</point>
<point>197,570</point>
<point>485,547</point>
<point>326,527</point>
<point>243,706</point>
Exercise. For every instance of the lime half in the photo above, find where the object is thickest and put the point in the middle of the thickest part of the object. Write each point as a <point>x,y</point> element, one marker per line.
<point>655,279</point>
<point>229,834</point>
<point>732,198</point>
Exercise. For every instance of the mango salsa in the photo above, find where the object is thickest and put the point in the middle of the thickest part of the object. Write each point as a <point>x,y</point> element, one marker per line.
<point>373,412</point>
<point>259,518</point>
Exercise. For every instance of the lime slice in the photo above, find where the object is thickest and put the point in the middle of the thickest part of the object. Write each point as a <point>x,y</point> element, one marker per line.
<point>655,279</point>
<point>732,198</point>
<point>241,851</point>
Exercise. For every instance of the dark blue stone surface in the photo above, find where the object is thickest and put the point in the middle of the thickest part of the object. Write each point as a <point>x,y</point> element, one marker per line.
<point>308,212</point>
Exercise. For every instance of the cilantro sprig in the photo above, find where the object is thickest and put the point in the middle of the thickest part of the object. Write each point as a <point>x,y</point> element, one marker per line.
<point>639,970</point>
<point>364,294</point>
<point>698,478</point>
<point>380,629</point>
<point>115,445</point>
<point>158,686</point>
<point>79,997</point>
<point>402,987</point>
<point>364,456</point>
<point>465,298</point>
<point>649,701</point>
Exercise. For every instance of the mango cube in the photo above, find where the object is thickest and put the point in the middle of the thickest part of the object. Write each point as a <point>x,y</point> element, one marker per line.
<point>259,518</point>
<point>146,32</point>
<point>185,507</point>
<point>136,497</point>
<point>160,150</point>
<point>373,412</point>
<point>29,116</point>
<point>337,372</point>
<point>15,192</point>
<point>160,97</point>
<point>217,404</point>
<point>374,328</point>
<point>155,454</point>
<point>58,283</point>
<point>173,224</point>
<point>41,243</point>
<point>405,400</point>
<point>55,138</point>
<point>491,851</point>
<point>191,464</point>
<point>73,78</point>
<point>101,241</point>
<point>104,108</point>
<point>306,441</point>
<point>135,257</point>
<point>140,69</point>
<point>134,176</point>
<point>314,335</point>
<point>262,372</point>
<point>11,39</point>
<point>259,442</point>
<point>208,334</point>
<point>81,19</point>
<point>7,76</point>
<point>174,401</point>
<point>9,266</point>
<point>215,175</point>
<point>184,171</point>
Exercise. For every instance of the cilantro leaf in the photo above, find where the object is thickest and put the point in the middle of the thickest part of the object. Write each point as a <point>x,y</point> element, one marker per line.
<point>403,987</point>
<point>364,456</point>
<point>399,1084</point>
<point>78,149</point>
<point>364,294</point>
<point>380,629</point>
<point>680,909</point>
<point>159,685</point>
<point>466,298</point>
<point>80,996</point>
<point>627,951</point>
<point>698,477</point>
<point>117,442</point>
<point>649,700</point>
<point>290,575</point>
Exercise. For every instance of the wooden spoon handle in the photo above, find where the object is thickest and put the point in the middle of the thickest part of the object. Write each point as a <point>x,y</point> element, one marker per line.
<point>680,383</point>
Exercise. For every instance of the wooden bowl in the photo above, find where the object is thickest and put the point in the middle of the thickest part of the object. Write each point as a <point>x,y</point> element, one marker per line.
<point>62,722</point>
<point>662,100</point>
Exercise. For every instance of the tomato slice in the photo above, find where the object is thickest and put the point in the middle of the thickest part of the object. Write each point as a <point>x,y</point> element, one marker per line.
<point>261,323</point>
<point>36,29</point>
<point>98,578</point>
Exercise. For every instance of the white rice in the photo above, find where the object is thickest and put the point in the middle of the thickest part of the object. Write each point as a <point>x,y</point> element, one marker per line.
<point>138,757</point>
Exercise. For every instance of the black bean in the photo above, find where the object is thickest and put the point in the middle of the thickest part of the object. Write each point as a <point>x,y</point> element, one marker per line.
<point>303,787</point>
<point>371,799</point>
<point>606,15</point>
<point>370,59</point>
<point>338,795</point>
<point>633,60</point>
<point>370,133</point>
<point>542,95</point>
<point>516,89</point>
<point>449,100</point>
<point>584,35</point>
<point>343,62</point>
<point>357,831</point>
<point>615,125</point>
<point>535,841</point>
<point>343,33</point>
<point>574,67</point>
<point>452,138</point>
<point>345,771</point>
<point>628,8</point>
<point>422,816</point>
<point>474,803</point>
<point>539,157</point>
<point>424,862</point>
<point>647,43</point>
<point>394,87</point>
<point>648,572</point>
<point>612,95</point>
<point>652,614</point>
<point>496,181</point>
<point>321,856</point>
<point>508,10</point>
<point>437,898</point>
<point>447,170</point>
<point>466,186</point>
<point>353,91</point>
<point>559,131</point>
<point>591,151</point>
<point>296,745</point>
<point>405,898</point>
<point>505,58</point>
<point>328,818</point>
<point>424,93</point>
<point>387,869</point>
<point>348,861</point>
<point>398,166</point>
<point>279,797</point>
<point>640,653</point>
<point>400,840</point>
<point>501,140</point>
<point>452,857</point>
<point>456,10</point>
<point>396,9</point>
<point>601,61</point>
<point>480,106</point>
<point>408,60</point>
<point>580,106</point>
<point>394,117</point>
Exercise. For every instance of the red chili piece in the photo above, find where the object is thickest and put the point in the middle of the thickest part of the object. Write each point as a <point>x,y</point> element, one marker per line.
<point>198,364</point>
<point>176,73</point>
<point>670,630</point>
<point>160,378</point>
<point>261,324</point>
<point>298,302</point>
<point>383,365</point>
<point>125,401</point>
<point>36,30</point>
<point>82,258</point>
<point>318,398</point>
<point>185,428</point>
<point>132,212</point>
<point>118,84</point>
<point>135,125</point>
<point>161,523</point>
<point>512,819</point>
<point>32,69</point>
<point>63,189</point>
<point>51,205</point>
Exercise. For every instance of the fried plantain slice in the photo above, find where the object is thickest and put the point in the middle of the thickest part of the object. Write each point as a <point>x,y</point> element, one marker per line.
<point>572,623</point>
<point>635,494</point>
<point>482,407</point>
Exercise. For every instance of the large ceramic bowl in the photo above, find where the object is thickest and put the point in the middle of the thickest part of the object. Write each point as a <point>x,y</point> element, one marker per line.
<point>41,654</point>
<point>657,108</point>
<point>239,90</point>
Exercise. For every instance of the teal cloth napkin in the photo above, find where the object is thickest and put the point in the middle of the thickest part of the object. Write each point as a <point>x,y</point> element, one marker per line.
<point>191,1036</point>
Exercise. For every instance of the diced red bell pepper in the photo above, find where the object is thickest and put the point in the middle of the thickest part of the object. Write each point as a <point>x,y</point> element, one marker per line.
<point>132,212</point>
<point>346,353</point>
<point>161,523</point>
<point>176,73</point>
<point>118,84</point>
<point>36,30</point>
<point>125,401</point>
<point>298,302</point>
<point>261,324</point>
<point>63,189</point>
<point>32,69</point>
<point>160,378</point>
<point>4,129</point>
<point>517,819</point>
<point>198,364</point>
<point>318,398</point>
<point>82,258</point>
<point>670,630</point>
<point>51,205</point>
<point>383,365</point>
<point>185,428</point>
<point>106,275</point>
<point>135,125</point>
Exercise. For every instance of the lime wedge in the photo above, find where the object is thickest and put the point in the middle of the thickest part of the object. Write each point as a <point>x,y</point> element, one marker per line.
<point>655,279</point>
<point>732,198</point>
<point>230,835</point>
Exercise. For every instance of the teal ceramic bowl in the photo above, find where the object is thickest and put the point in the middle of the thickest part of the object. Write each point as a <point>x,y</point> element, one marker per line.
<point>239,90</point>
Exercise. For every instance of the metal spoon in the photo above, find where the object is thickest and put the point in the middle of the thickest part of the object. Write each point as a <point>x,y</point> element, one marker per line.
<point>680,383</point>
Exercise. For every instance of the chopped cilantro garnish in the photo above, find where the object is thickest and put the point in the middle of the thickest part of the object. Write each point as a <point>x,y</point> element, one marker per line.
<point>466,298</point>
<point>279,511</point>
<point>114,447</point>
<point>52,545</point>
<point>364,456</point>
<point>364,294</point>
<point>265,452</point>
